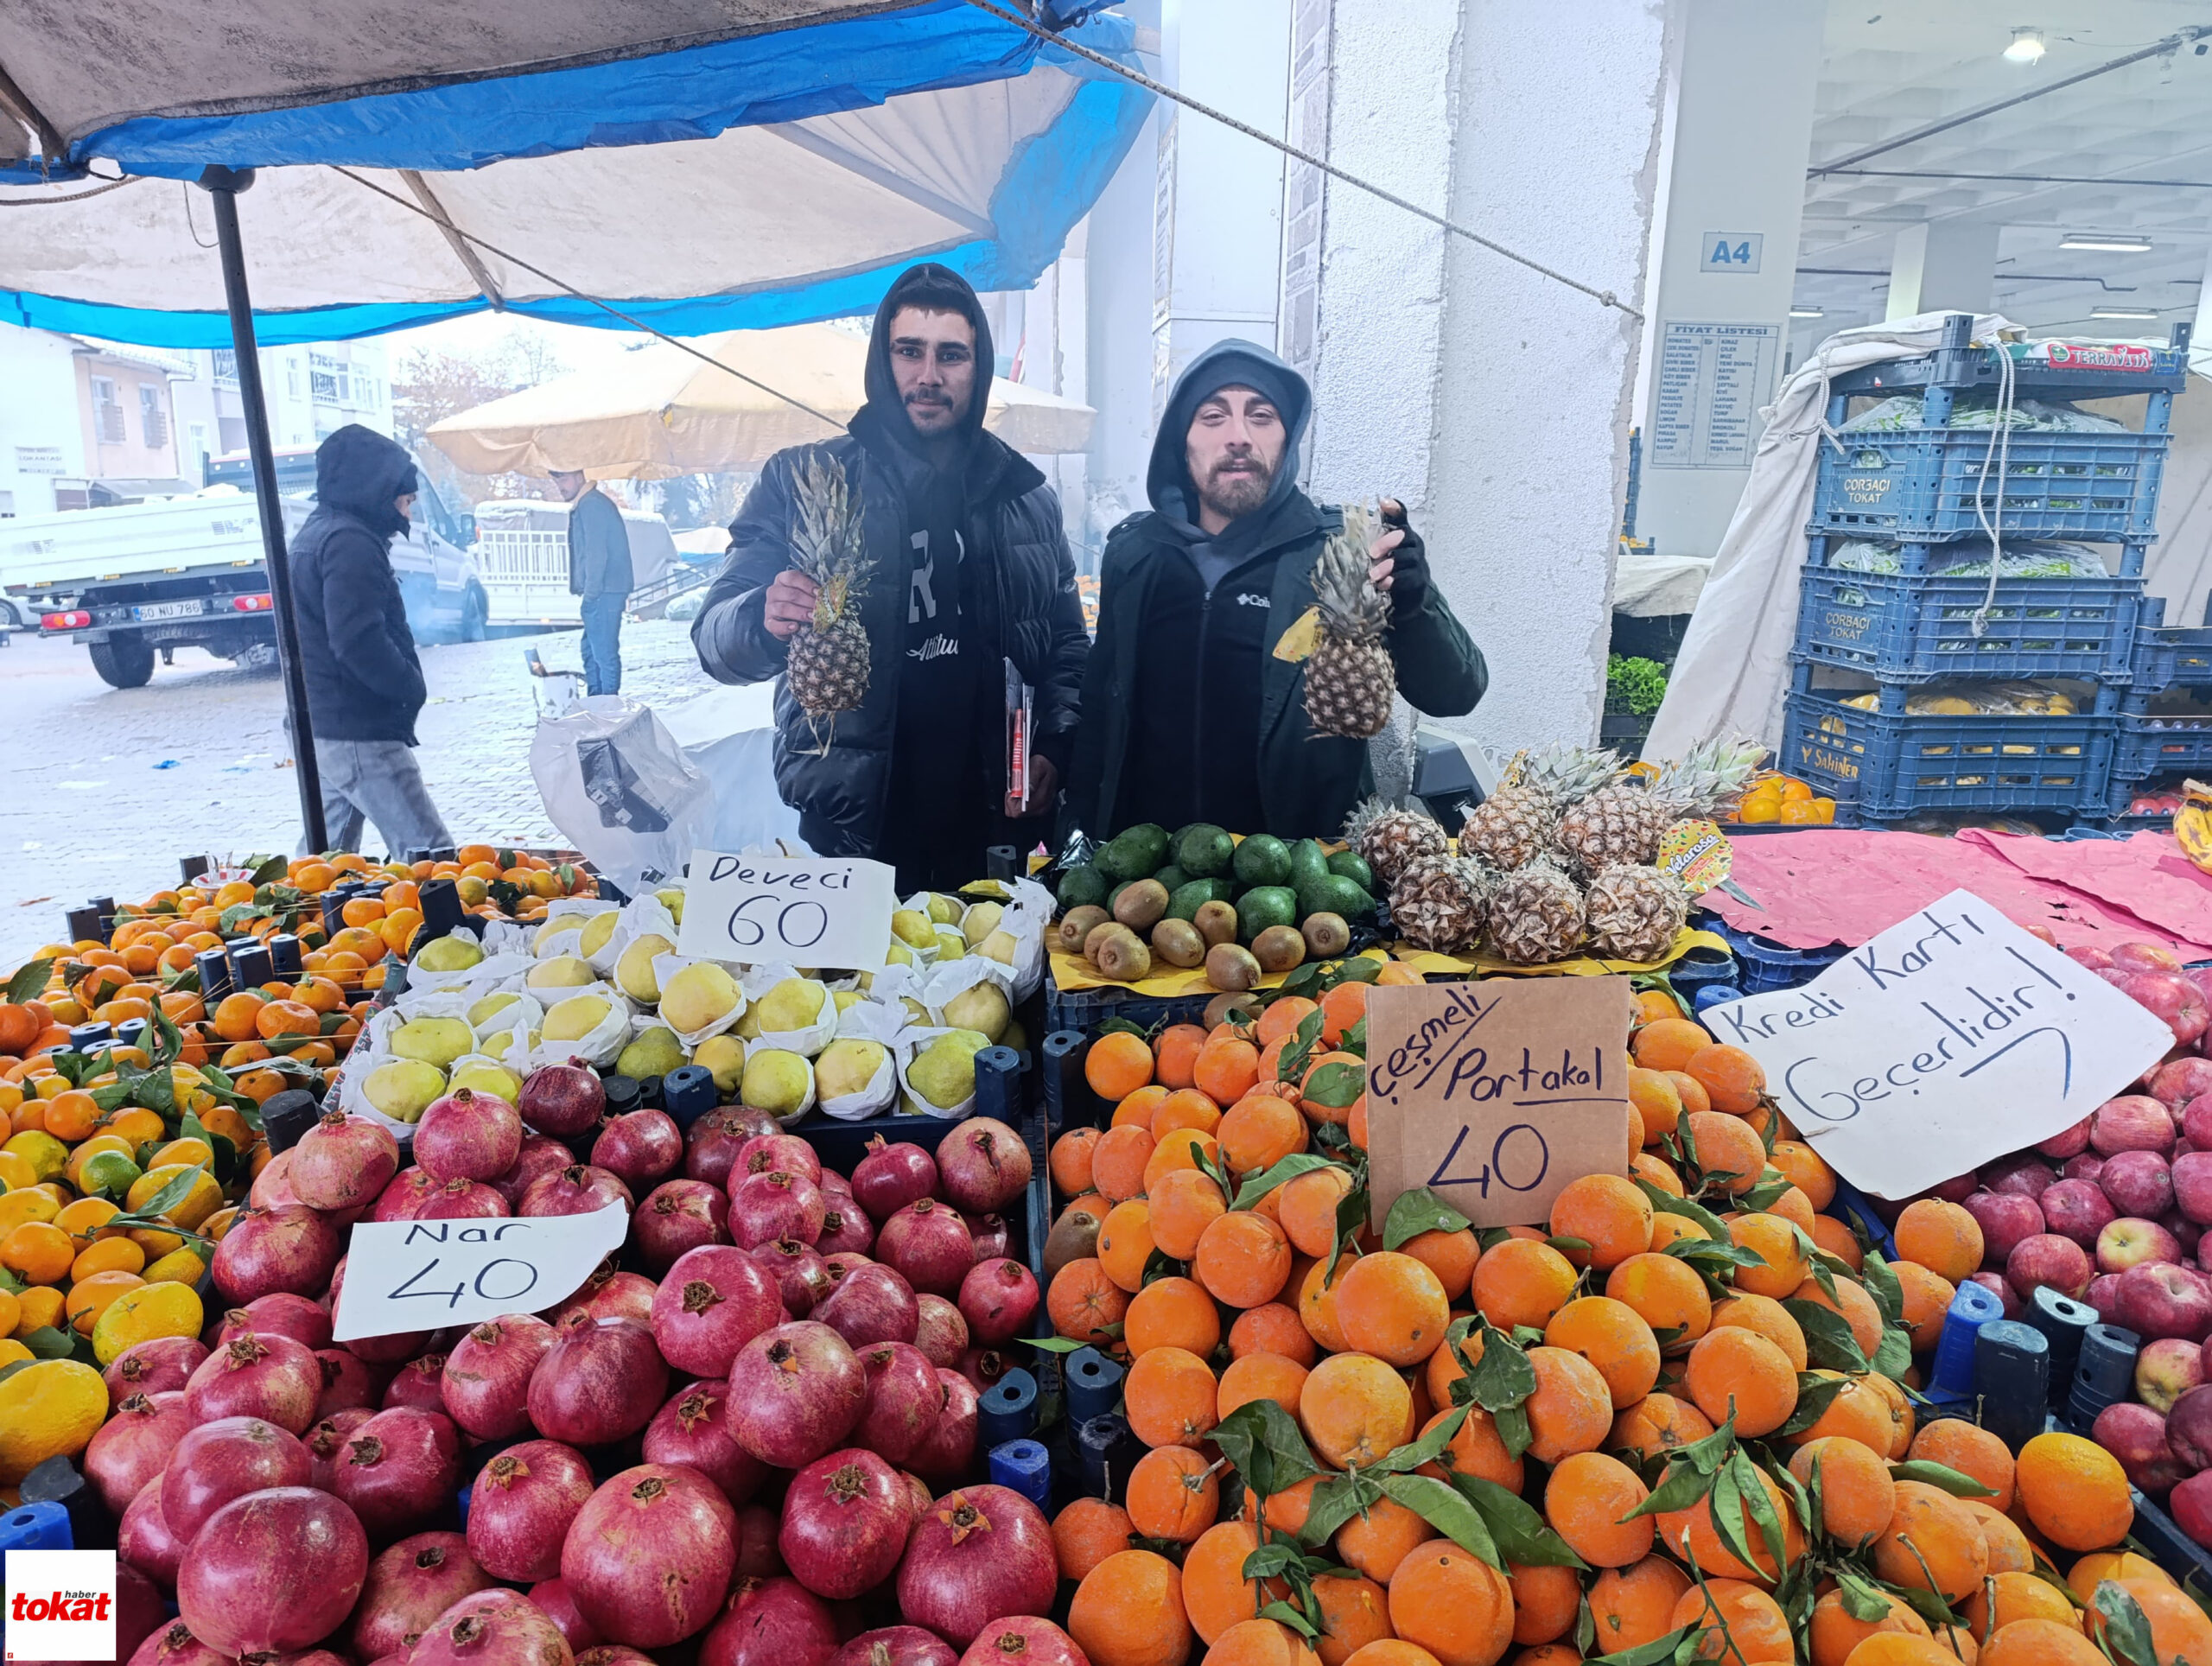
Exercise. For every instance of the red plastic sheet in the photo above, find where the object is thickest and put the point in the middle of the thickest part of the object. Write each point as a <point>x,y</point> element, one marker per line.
<point>1838,885</point>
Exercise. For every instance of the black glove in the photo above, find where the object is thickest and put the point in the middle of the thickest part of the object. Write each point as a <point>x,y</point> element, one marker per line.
<point>1409,569</point>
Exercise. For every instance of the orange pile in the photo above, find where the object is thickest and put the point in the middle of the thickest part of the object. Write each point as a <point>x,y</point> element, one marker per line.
<point>1699,1323</point>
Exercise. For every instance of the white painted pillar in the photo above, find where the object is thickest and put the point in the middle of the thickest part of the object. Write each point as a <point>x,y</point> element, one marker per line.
<point>1944,265</point>
<point>1728,257</point>
<point>2200,334</point>
<point>1494,401</point>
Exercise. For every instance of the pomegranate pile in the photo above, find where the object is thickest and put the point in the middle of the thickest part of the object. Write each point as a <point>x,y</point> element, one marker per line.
<point>762,1443</point>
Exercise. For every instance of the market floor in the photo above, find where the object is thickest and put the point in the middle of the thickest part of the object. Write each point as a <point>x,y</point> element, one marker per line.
<point>108,787</point>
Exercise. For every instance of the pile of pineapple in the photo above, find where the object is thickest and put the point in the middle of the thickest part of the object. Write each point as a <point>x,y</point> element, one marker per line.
<point>1558,861</point>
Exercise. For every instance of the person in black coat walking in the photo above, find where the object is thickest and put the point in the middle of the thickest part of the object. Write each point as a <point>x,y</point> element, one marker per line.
<point>598,575</point>
<point>365,683</point>
<point>970,576</point>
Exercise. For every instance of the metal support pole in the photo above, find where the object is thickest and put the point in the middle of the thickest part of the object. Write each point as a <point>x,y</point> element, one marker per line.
<point>223,185</point>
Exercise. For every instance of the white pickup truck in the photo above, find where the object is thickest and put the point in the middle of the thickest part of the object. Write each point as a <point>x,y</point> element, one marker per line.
<point>137,580</point>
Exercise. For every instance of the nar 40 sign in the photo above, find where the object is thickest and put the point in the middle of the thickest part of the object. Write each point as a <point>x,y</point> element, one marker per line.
<point>1950,1039</point>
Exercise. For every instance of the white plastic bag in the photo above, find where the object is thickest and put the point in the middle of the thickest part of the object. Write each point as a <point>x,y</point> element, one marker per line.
<point>869,1020</point>
<point>621,790</point>
<point>756,980</point>
<point>600,1044</point>
<point>665,967</point>
<point>645,916</point>
<point>562,931</point>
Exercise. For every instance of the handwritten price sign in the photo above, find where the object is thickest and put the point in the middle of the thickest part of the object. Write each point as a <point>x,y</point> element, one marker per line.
<point>823,911</point>
<point>1495,1095</point>
<point>424,1276</point>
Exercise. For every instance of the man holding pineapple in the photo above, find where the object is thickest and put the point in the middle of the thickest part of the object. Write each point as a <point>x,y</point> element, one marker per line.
<point>1249,640</point>
<point>906,581</point>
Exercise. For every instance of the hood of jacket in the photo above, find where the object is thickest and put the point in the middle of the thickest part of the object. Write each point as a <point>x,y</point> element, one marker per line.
<point>1231,363</point>
<point>359,471</point>
<point>885,409</point>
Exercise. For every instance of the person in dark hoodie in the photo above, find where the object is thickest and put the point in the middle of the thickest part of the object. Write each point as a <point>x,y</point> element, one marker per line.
<point>1193,706</point>
<point>970,574</point>
<point>365,683</point>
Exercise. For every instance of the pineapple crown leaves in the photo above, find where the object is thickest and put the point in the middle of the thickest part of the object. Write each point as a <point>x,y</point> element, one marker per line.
<point>826,540</point>
<point>1564,774</point>
<point>1352,604</point>
<point>1369,811</point>
<point>1710,774</point>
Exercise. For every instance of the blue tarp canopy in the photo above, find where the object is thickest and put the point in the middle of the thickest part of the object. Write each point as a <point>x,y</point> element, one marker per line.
<point>703,165</point>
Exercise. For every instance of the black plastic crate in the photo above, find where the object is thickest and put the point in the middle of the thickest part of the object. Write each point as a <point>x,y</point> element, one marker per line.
<point>1085,1009</point>
<point>1919,627</point>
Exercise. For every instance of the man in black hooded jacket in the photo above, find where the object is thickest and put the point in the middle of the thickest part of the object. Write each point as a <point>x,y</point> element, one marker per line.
<point>365,683</point>
<point>970,570</point>
<point>1193,706</point>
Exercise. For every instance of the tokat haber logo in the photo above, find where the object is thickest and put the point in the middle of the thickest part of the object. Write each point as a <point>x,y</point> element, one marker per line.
<point>60,1605</point>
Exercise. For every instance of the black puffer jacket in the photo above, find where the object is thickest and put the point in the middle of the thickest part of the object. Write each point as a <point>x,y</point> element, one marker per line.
<point>1011,521</point>
<point>363,680</point>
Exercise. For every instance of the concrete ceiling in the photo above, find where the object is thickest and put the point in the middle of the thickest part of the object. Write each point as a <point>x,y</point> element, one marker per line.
<point>1891,66</point>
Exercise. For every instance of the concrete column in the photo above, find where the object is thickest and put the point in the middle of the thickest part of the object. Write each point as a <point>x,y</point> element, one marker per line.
<point>1944,265</point>
<point>1728,257</point>
<point>1117,324</point>
<point>1492,400</point>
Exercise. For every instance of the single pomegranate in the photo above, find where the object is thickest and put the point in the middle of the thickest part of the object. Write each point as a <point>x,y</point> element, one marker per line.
<point>154,1366</point>
<point>227,1459</point>
<point>462,1200</point>
<point>941,1333</point>
<point>273,1572</point>
<point>643,1146</point>
<point>347,1380</point>
<point>289,1249</point>
<point>174,1645</point>
<point>845,1227</point>
<point>765,1153</point>
<point>871,1303</point>
<point>598,1383</point>
<point>144,1539</point>
<point>496,1627</point>
<point>377,1350</point>
<point>562,1100</point>
<point>420,1383</point>
<point>834,1186</point>
<point>928,1242</point>
<point>578,1189</point>
<point>541,1155</point>
<point>1023,1640</point>
<point>775,1204</point>
<point>398,1200</point>
<point>468,1136</point>
<point>557,1603</point>
<point>945,1454</point>
<point>844,1262</point>
<point>924,1496</point>
<point>897,1645</point>
<point>976,1555</point>
<point>409,1584</point>
<point>795,1393</point>
<point>756,1555</point>
<point>998,1299</point>
<point>770,1622</point>
<point>711,1149</point>
<point>520,1507</point>
<point>649,1556</point>
<point>693,1429</point>
<point>677,1217</point>
<point>488,1374</point>
<point>134,1446</point>
<point>891,1176</point>
<point>983,1165</point>
<point>982,1367</point>
<point>141,1611</point>
<point>904,1400</point>
<point>271,1377</point>
<point>272,1187</point>
<point>845,1522</point>
<point>342,1162</point>
<point>713,1301</point>
<point>283,1313</point>
<point>399,1470</point>
<point>991,1235</point>
<point>614,1654</point>
<point>326,1443</point>
<point>802,1275</point>
<point>607,1294</point>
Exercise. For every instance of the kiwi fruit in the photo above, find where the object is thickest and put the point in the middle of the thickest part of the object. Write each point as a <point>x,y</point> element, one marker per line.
<point>1072,1237</point>
<point>1076,924</point>
<point>1141,903</point>
<point>1219,1009</point>
<point>1095,939</point>
<point>1177,943</point>
<point>1279,947</point>
<point>1327,935</point>
<point>1230,967</point>
<point>1217,922</point>
<point>1124,958</point>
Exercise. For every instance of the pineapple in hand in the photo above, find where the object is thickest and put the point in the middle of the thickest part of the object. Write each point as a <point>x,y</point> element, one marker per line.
<point>1350,676</point>
<point>827,669</point>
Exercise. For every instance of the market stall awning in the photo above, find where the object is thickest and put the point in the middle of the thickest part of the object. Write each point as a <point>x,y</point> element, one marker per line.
<point>660,411</point>
<point>418,156</point>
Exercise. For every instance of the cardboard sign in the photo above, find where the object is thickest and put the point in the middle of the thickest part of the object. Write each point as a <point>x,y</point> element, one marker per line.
<point>830,912</point>
<point>1495,1095</point>
<point>424,1276</point>
<point>1948,1040</point>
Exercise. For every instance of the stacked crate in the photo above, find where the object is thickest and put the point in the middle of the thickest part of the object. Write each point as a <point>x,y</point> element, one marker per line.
<point>1925,487</point>
<point>2153,746</point>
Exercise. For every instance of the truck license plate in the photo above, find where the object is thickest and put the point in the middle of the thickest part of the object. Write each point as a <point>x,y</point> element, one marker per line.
<point>166,610</point>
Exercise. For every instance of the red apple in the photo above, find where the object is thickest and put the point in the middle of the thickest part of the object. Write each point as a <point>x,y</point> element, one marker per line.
<point>2099,1293</point>
<point>2094,959</point>
<point>1995,1284</point>
<point>2192,1177</point>
<point>2167,1368</point>
<point>2047,1259</point>
<point>2191,1504</point>
<point>2134,1121</point>
<point>2189,1427</point>
<point>2196,1118</point>
<point>2146,957</point>
<point>2068,1142</point>
<point>2005,1217</point>
<point>2174,999</point>
<point>2137,1436</point>
<point>2077,1210</point>
<point>2137,1183</point>
<point>2175,1085</point>
<point>2023,1172</point>
<point>2086,1166</point>
<point>2187,1233</point>
<point>2161,1298</point>
<point>2129,1241</point>
<point>2041,933</point>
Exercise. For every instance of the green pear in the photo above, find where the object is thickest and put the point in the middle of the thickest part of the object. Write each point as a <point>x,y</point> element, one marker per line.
<point>1014,1036</point>
<point>436,1041</point>
<point>847,1065</point>
<point>748,1028</point>
<point>984,1007</point>
<point>951,946</point>
<point>597,931</point>
<point>673,900</point>
<point>916,1013</point>
<point>944,910</point>
<point>794,1004</point>
<point>943,1073</point>
<point>402,1089</point>
<point>999,946</point>
<point>449,954</point>
<point>700,994</point>
<point>576,1017</point>
<point>485,1077</point>
<point>634,970</point>
<point>981,921</point>
<point>912,926</point>
<point>776,1081</point>
<point>847,1000</point>
<point>561,972</point>
<point>490,1007</point>
<point>721,1057</point>
<point>653,1052</point>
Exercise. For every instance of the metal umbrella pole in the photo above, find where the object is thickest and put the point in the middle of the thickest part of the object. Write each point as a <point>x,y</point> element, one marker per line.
<point>223,185</point>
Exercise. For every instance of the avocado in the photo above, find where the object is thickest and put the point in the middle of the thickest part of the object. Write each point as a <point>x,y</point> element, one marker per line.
<point>1353,867</point>
<point>1193,895</point>
<point>1333,893</point>
<point>1082,887</point>
<point>1134,853</point>
<point>1205,850</point>
<point>1171,877</point>
<point>1307,865</point>
<point>1263,859</point>
<point>1265,906</point>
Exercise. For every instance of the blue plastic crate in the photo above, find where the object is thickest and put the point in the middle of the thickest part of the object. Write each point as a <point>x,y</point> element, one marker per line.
<point>1916,627</point>
<point>1764,967</point>
<point>1884,766</point>
<point>1921,485</point>
<point>2179,656</point>
<point>2149,746</point>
